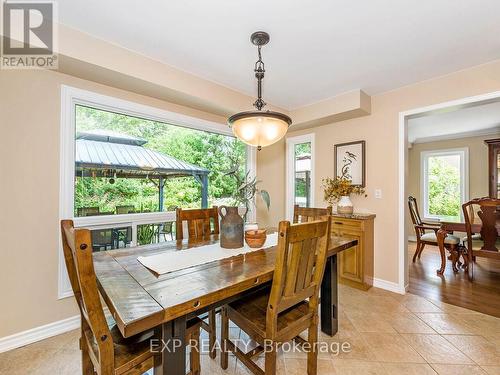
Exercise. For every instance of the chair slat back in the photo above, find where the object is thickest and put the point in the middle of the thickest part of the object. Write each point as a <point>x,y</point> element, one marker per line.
<point>307,214</point>
<point>489,215</point>
<point>300,264</point>
<point>198,222</point>
<point>414,214</point>
<point>77,247</point>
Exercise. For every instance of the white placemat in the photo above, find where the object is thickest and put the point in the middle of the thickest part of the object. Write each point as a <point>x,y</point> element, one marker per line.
<point>178,260</point>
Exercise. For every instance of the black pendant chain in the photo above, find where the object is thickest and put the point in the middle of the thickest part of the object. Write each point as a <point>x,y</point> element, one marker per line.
<point>259,74</point>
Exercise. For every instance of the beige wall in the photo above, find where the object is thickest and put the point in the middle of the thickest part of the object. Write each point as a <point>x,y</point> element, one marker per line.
<point>478,166</point>
<point>380,131</point>
<point>29,193</point>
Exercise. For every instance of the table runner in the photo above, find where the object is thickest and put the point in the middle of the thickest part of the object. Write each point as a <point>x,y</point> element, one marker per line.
<point>178,260</point>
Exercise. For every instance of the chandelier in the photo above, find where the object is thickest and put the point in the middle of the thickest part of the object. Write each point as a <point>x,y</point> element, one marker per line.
<point>259,128</point>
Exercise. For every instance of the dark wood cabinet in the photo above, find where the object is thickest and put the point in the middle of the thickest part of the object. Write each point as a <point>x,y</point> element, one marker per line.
<point>494,167</point>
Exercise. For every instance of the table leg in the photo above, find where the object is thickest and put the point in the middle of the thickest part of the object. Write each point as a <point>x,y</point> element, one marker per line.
<point>173,355</point>
<point>329,298</point>
<point>441,235</point>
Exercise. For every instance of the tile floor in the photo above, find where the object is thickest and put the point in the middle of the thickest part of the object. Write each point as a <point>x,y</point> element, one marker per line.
<point>387,334</point>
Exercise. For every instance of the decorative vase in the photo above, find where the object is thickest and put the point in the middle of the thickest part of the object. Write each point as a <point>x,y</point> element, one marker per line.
<point>231,228</point>
<point>345,205</point>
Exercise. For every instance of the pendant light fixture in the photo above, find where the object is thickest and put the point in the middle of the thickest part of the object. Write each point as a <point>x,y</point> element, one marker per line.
<point>259,128</point>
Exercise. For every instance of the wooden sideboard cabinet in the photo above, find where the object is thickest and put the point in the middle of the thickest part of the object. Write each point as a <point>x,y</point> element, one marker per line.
<point>355,265</point>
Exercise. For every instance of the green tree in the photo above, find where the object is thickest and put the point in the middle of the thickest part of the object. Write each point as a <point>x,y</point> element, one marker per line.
<point>443,188</point>
<point>204,149</point>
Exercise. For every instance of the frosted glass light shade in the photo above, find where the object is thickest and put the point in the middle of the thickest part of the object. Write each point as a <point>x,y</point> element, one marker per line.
<point>259,129</point>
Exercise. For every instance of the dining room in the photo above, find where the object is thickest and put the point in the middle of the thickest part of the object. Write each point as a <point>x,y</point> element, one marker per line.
<point>207,188</point>
<point>453,177</point>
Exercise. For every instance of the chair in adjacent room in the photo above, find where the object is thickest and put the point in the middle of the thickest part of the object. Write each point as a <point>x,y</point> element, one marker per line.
<point>452,243</point>
<point>487,244</point>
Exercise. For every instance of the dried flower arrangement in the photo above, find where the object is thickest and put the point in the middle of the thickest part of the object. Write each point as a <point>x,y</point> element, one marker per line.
<point>335,188</point>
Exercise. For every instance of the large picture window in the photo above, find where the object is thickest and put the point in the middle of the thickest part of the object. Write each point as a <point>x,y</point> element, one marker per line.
<point>126,167</point>
<point>445,183</point>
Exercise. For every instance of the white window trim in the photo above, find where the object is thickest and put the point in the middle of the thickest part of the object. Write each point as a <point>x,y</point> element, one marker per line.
<point>70,97</point>
<point>290,177</point>
<point>464,171</point>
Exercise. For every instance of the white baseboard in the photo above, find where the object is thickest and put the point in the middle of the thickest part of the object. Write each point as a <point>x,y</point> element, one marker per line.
<point>388,285</point>
<point>39,333</point>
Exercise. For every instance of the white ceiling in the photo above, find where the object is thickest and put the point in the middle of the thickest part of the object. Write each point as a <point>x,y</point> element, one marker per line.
<point>318,48</point>
<point>476,120</point>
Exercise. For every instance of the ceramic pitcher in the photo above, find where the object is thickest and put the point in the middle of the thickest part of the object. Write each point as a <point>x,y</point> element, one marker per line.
<point>231,228</point>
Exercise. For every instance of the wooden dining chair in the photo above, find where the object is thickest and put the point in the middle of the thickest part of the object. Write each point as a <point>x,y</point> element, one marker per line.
<point>487,244</point>
<point>200,224</point>
<point>104,350</point>
<point>290,307</point>
<point>305,214</point>
<point>452,243</point>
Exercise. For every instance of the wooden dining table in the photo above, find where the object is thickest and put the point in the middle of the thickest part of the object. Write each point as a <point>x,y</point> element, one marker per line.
<point>448,227</point>
<point>140,300</point>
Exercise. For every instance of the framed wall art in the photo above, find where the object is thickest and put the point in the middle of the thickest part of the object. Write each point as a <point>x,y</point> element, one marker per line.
<point>350,161</point>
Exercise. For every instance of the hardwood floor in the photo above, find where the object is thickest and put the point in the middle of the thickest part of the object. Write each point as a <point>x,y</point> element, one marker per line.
<point>483,294</point>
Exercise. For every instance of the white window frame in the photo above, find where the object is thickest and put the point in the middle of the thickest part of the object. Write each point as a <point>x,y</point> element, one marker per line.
<point>290,170</point>
<point>70,98</point>
<point>464,174</point>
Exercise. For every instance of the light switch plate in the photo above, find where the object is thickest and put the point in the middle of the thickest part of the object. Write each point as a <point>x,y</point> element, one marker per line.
<point>378,193</point>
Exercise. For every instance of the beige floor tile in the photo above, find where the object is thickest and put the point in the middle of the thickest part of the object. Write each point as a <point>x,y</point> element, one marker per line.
<point>369,322</point>
<point>492,337</point>
<point>409,323</point>
<point>482,324</point>
<point>408,369</point>
<point>241,369</point>
<point>355,348</point>
<point>386,305</point>
<point>295,366</point>
<point>391,348</point>
<point>39,361</point>
<point>458,369</point>
<point>492,370</point>
<point>420,304</point>
<point>66,341</point>
<point>212,366</point>
<point>354,367</point>
<point>451,309</point>
<point>480,350</point>
<point>376,327</point>
<point>436,349</point>
<point>446,324</point>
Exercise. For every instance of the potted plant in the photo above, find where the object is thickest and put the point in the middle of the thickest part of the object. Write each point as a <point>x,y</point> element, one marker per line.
<point>247,190</point>
<point>232,226</point>
<point>338,190</point>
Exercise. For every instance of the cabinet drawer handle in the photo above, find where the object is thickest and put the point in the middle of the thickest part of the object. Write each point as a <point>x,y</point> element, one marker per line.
<point>338,222</point>
<point>196,304</point>
<point>256,281</point>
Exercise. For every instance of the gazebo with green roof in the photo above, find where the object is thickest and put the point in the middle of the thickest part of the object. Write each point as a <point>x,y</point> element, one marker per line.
<point>109,154</point>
